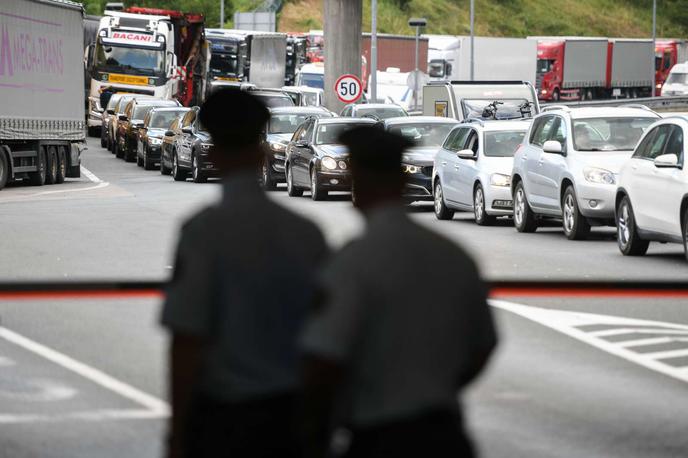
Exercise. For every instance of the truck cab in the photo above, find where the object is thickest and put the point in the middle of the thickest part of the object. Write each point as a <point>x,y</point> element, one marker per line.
<point>228,56</point>
<point>667,54</point>
<point>550,70</point>
<point>494,100</point>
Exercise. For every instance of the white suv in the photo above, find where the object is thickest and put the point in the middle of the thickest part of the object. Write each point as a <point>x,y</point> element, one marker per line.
<point>652,198</point>
<point>568,165</point>
<point>472,171</point>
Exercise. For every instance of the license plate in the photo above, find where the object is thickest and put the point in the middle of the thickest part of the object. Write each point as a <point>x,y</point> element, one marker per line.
<point>616,92</point>
<point>503,203</point>
<point>128,79</point>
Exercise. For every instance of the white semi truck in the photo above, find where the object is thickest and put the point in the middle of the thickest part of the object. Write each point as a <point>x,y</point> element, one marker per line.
<point>146,51</point>
<point>449,58</point>
<point>42,119</point>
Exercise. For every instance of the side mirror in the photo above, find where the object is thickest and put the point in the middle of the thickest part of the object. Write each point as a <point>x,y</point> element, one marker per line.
<point>187,130</point>
<point>666,161</point>
<point>300,144</point>
<point>122,117</point>
<point>552,146</point>
<point>169,133</point>
<point>466,154</point>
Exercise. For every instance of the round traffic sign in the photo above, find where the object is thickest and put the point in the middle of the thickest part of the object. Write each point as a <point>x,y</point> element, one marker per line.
<point>348,88</point>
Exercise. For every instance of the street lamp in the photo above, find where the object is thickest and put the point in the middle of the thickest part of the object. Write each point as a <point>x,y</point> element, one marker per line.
<point>416,22</point>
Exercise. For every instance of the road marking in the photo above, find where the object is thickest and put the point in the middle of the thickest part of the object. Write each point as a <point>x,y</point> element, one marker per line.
<point>90,175</point>
<point>154,406</point>
<point>618,332</point>
<point>39,390</point>
<point>570,323</point>
<point>90,415</point>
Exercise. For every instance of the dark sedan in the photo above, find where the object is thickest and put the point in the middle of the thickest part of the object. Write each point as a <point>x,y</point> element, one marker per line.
<point>189,151</point>
<point>316,161</point>
<point>150,139</point>
<point>131,121</point>
<point>283,123</point>
<point>273,98</point>
<point>427,133</point>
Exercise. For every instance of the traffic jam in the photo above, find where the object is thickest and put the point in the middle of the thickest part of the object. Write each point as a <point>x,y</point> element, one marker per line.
<point>257,241</point>
<point>484,147</point>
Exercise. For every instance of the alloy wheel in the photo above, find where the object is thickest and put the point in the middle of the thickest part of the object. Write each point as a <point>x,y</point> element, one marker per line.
<point>569,213</point>
<point>519,207</point>
<point>438,198</point>
<point>622,225</point>
<point>478,204</point>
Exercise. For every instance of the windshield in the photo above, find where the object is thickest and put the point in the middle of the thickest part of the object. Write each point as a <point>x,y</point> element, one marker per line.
<point>381,112</point>
<point>273,101</point>
<point>503,144</point>
<point>315,80</point>
<point>608,134</point>
<point>113,101</point>
<point>504,109</point>
<point>130,60</point>
<point>328,134</point>
<point>122,104</point>
<point>288,123</point>
<point>544,65</point>
<point>163,119</point>
<point>310,99</point>
<point>223,64</point>
<point>677,78</point>
<point>141,111</point>
<point>423,134</point>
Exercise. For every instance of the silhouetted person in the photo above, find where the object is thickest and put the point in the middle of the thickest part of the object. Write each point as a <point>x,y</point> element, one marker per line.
<point>403,326</point>
<point>242,285</point>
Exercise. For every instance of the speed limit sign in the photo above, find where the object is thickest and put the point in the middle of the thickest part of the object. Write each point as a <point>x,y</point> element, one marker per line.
<point>348,88</point>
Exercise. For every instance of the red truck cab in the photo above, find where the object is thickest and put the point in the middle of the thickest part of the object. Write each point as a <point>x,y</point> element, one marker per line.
<point>667,54</point>
<point>550,70</point>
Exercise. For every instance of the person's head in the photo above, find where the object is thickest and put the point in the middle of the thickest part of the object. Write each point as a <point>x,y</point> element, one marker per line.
<point>235,120</point>
<point>375,157</point>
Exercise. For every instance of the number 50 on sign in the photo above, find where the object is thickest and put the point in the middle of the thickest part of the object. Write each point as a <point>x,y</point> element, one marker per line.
<point>348,88</point>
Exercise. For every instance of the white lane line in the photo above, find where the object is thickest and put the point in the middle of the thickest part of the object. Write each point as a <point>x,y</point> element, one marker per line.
<point>567,323</point>
<point>667,354</point>
<point>91,415</point>
<point>90,175</point>
<point>641,342</point>
<point>618,332</point>
<point>153,404</point>
<point>64,191</point>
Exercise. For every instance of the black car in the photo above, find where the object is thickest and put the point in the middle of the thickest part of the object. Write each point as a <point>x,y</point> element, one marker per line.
<point>283,123</point>
<point>126,136</point>
<point>316,161</point>
<point>427,133</point>
<point>273,98</point>
<point>149,144</point>
<point>189,150</point>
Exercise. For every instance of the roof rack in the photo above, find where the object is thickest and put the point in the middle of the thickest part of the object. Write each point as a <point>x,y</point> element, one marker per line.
<point>555,107</point>
<point>474,120</point>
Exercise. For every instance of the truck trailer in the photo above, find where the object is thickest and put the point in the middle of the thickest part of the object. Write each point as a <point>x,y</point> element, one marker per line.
<point>42,118</point>
<point>147,51</point>
<point>449,58</point>
<point>574,68</point>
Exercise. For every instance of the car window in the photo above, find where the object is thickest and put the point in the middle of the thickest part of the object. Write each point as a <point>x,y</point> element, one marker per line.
<point>298,133</point>
<point>308,134</point>
<point>657,146</point>
<point>457,139</point>
<point>472,141</point>
<point>541,130</point>
<point>674,144</point>
<point>643,148</point>
<point>188,119</point>
<point>559,133</point>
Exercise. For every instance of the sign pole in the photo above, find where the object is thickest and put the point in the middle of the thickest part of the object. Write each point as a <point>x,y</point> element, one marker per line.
<point>373,52</point>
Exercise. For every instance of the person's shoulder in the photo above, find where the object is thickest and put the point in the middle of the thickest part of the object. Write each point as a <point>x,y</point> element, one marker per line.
<point>445,248</point>
<point>201,222</point>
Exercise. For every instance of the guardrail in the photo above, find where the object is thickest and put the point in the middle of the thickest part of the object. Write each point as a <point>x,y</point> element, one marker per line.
<point>498,289</point>
<point>669,103</point>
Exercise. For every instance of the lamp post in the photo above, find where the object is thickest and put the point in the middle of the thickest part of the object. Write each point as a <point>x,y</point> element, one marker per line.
<point>417,23</point>
<point>472,38</point>
<point>654,47</point>
<point>222,14</point>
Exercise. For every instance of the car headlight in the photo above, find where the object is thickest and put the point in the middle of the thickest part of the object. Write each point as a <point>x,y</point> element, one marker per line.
<point>155,141</point>
<point>279,147</point>
<point>600,176</point>
<point>499,179</point>
<point>329,163</point>
<point>410,169</point>
<point>206,146</point>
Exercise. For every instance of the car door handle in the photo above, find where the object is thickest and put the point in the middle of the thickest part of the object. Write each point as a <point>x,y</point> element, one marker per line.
<point>524,158</point>
<point>444,163</point>
<point>456,167</point>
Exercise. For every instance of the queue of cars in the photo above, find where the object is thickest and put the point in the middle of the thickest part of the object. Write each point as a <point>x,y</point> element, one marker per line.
<point>613,166</point>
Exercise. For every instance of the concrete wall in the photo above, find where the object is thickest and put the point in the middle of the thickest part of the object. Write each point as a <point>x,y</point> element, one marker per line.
<point>342,29</point>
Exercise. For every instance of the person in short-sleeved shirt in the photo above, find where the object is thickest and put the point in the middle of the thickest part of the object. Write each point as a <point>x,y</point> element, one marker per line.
<point>404,324</point>
<point>242,286</point>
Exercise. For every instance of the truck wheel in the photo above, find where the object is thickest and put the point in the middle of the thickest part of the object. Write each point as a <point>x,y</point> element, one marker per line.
<point>4,168</point>
<point>37,178</point>
<point>61,165</point>
<point>51,171</point>
<point>556,96</point>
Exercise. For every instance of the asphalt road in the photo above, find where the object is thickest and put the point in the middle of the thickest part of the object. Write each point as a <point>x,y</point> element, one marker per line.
<point>83,378</point>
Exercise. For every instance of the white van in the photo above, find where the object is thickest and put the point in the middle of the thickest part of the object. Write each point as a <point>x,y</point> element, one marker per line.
<point>677,81</point>
<point>311,75</point>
